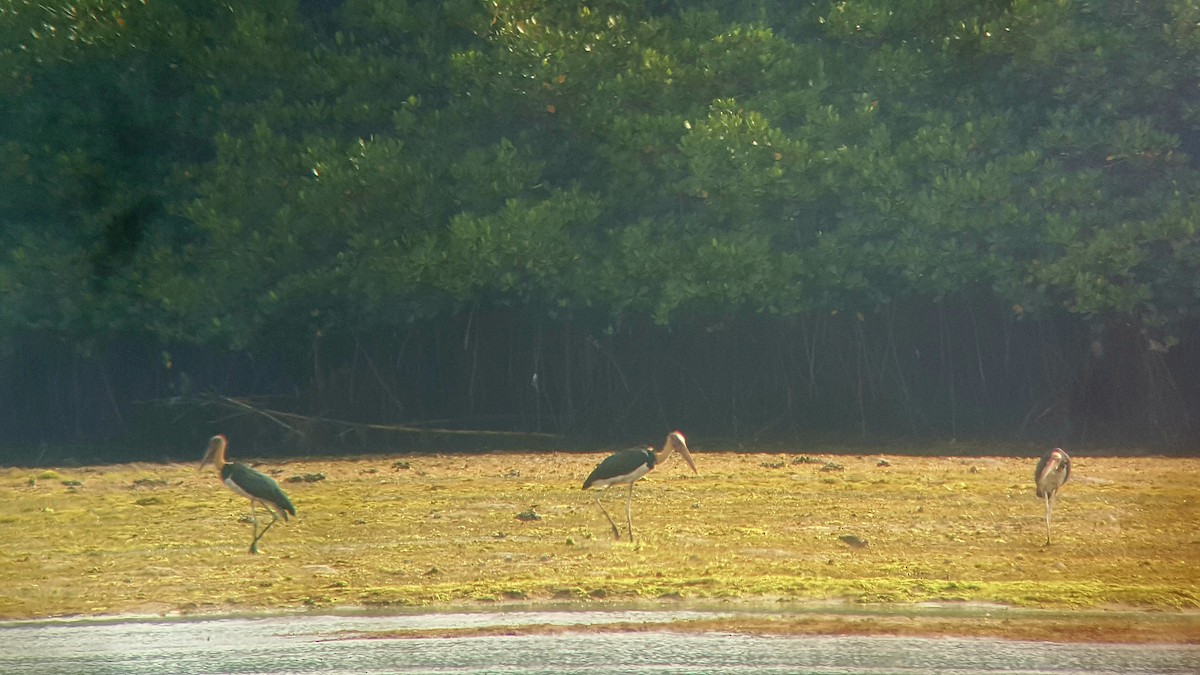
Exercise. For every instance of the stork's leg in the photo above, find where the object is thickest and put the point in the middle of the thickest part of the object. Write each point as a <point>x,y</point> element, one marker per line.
<point>1049,511</point>
<point>628,513</point>
<point>254,545</point>
<point>254,519</point>
<point>616,532</point>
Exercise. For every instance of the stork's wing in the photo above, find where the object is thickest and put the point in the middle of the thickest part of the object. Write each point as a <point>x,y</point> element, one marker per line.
<point>1041,466</point>
<point>622,463</point>
<point>261,487</point>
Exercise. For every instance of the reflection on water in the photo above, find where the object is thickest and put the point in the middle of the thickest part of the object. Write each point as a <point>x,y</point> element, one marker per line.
<point>301,644</point>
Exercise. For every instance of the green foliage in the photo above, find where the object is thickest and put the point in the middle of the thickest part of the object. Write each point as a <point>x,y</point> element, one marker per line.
<point>250,176</point>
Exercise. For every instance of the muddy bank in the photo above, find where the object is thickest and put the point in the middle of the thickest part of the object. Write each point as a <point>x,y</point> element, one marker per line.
<point>494,530</point>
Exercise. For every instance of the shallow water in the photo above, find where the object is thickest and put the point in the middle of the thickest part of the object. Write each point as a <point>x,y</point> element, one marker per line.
<point>307,644</point>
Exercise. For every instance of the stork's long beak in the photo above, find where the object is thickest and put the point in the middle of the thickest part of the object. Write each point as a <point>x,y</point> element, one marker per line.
<point>680,443</point>
<point>687,457</point>
<point>208,454</point>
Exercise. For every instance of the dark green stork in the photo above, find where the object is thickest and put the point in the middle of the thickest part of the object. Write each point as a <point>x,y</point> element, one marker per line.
<point>629,465</point>
<point>1053,469</point>
<point>253,485</point>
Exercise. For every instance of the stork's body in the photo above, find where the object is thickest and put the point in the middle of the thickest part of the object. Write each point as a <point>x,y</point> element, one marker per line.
<point>258,487</point>
<point>1053,469</point>
<point>628,466</point>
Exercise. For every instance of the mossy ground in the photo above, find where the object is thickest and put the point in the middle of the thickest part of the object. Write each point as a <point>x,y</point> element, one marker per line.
<point>432,530</point>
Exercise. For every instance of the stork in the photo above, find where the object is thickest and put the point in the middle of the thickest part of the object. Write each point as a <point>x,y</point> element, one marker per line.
<point>257,487</point>
<point>629,465</point>
<point>1053,469</point>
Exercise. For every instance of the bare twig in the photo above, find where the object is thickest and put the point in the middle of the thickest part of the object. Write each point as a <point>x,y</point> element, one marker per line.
<point>279,416</point>
<point>269,414</point>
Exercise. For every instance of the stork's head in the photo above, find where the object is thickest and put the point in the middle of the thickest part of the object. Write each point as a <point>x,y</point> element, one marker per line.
<point>215,452</point>
<point>1056,462</point>
<point>676,441</point>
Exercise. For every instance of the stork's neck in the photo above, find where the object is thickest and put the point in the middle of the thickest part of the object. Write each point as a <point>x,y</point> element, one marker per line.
<point>218,454</point>
<point>661,456</point>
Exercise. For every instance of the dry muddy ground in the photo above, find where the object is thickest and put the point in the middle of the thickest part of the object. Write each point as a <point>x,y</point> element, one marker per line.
<point>785,529</point>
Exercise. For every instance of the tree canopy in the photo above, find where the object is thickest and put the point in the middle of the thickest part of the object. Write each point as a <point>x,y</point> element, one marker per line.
<point>600,218</point>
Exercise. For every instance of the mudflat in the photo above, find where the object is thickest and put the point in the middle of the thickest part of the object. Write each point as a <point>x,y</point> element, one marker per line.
<point>784,529</point>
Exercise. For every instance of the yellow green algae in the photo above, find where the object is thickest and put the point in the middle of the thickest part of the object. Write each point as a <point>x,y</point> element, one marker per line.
<point>436,531</point>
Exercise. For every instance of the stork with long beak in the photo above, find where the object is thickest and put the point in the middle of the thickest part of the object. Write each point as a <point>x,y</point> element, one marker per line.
<point>1053,469</point>
<point>257,487</point>
<point>629,465</point>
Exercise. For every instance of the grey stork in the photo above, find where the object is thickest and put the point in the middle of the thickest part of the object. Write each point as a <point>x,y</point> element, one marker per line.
<point>253,485</point>
<point>1053,469</point>
<point>629,465</point>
